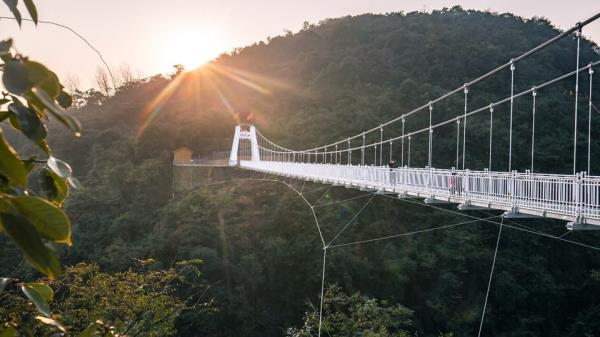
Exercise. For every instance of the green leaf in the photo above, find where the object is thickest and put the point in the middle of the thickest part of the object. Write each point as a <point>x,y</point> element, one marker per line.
<point>12,5</point>
<point>8,332</point>
<point>55,188</point>
<point>74,183</point>
<point>57,111</point>
<point>27,238</point>
<point>28,121</point>
<point>51,222</point>
<point>11,165</point>
<point>51,321</point>
<point>43,289</point>
<point>4,115</point>
<point>65,100</point>
<point>5,46</point>
<point>61,168</point>
<point>42,78</point>
<point>91,330</point>
<point>40,294</point>
<point>15,78</point>
<point>32,10</point>
<point>43,144</point>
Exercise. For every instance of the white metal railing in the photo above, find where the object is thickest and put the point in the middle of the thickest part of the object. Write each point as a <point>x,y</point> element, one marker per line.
<point>569,197</point>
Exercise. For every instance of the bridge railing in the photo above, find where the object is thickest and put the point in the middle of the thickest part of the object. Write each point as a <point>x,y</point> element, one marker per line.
<point>590,197</point>
<point>571,196</point>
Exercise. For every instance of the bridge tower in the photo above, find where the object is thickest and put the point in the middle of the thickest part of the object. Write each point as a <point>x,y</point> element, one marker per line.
<point>244,132</point>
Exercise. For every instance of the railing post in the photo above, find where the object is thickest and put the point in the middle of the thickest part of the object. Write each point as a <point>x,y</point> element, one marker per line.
<point>466,184</point>
<point>577,196</point>
<point>430,181</point>
<point>336,154</point>
<point>362,150</point>
<point>489,184</point>
<point>528,186</point>
<point>349,154</point>
<point>512,188</point>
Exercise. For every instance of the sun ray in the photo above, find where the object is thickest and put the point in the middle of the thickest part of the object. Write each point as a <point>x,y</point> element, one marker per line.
<point>222,96</point>
<point>264,80</point>
<point>155,106</point>
<point>239,79</point>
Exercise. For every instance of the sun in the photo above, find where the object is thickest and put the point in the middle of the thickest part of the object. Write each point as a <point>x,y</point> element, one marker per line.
<point>192,48</point>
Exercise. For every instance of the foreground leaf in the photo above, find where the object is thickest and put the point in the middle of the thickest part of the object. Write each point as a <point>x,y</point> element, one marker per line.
<point>40,294</point>
<point>15,78</point>
<point>27,238</point>
<point>57,111</point>
<point>5,46</point>
<point>32,10</point>
<point>43,289</point>
<point>50,221</point>
<point>60,167</point>
<point>50,321</point>
<point>91,330</point>
<point>11,165</point>
<point>65,100</point>
<point>42,78</point>
<point>54,187</point>
<point>74,183</point>
<point>12,5</point>
<point>28,122</point>
<point>8,332</point>
<point>4,115</point>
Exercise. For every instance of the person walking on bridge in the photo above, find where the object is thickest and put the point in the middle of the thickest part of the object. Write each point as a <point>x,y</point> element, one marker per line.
<point>392,174</point>
<point>452,183</point>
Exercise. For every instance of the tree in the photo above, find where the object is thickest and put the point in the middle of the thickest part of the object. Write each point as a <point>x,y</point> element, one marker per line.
<point>136,302</point>
<point>126,74</point>
<point>355,315</point>
<point>102,80</point>
<point>73,84</point>
<point>178,69</point>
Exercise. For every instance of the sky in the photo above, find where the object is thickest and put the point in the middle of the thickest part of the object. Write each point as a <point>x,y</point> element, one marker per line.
<point>150,36</point>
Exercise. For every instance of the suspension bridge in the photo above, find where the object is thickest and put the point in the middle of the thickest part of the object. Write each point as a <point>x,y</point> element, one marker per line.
<point>573,197</point>
<point>378,160</point>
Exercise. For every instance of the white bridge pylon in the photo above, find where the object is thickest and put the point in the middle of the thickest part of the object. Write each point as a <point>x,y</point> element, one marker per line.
<point>240,134</point>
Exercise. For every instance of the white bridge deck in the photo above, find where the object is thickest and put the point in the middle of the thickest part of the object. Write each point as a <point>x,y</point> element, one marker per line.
<point>573,198</point>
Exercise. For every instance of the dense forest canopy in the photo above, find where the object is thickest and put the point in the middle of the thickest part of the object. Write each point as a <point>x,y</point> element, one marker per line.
<point>261,254</point>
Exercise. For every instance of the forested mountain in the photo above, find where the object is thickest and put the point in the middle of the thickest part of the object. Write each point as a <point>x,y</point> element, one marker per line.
<point>261,252</point>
